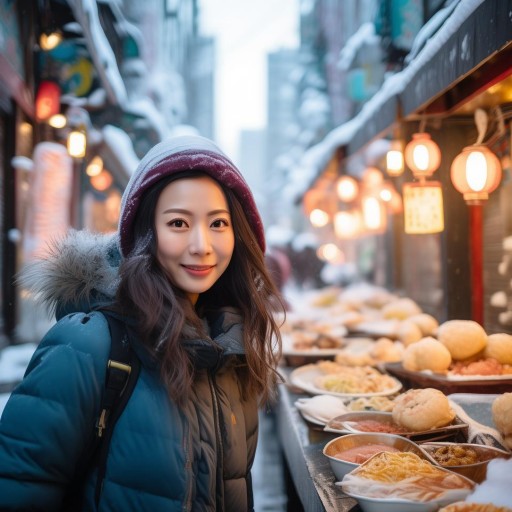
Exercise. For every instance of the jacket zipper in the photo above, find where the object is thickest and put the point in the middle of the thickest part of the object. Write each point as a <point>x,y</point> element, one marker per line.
<point>187,447</point>
<point>220,451</point>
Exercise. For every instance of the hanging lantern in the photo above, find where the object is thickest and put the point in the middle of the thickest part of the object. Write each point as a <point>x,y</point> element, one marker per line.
<point>475,173</point>
<point>374,214</point>
<point>47,100</point>
<point>77,142</point>
<point>422,155</point>
<point>423,208</point>
<point>372,177</point>
<point>319,218</point>
<point>102,181</point>
<point>347,224</point>
<point>347,188</point>
<point>395,159</point>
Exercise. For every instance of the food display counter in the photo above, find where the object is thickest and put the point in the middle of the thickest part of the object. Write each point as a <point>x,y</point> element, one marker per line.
<point>309,469</point>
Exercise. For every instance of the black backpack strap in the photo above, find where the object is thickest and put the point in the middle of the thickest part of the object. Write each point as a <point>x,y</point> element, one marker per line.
<point>123,370</point>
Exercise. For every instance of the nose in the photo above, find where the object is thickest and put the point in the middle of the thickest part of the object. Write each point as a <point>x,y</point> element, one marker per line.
<point>200,240</point>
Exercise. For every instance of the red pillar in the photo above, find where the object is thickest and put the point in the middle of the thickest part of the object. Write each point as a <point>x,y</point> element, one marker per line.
<point>476,248</point>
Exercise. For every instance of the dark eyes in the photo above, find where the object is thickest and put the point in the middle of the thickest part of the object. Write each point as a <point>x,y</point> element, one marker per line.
<point>180,223</point>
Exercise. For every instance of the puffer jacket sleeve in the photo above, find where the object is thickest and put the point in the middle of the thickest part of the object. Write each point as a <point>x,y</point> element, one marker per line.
<point>47,426</point>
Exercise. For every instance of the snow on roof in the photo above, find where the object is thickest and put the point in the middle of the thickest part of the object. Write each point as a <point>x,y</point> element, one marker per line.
<point>316,158</point>
<point>120,143</point>
<point>365,34</point>
<point>86,13</point>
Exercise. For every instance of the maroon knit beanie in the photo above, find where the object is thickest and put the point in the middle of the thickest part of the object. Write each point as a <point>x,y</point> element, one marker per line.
<point>189,152</point>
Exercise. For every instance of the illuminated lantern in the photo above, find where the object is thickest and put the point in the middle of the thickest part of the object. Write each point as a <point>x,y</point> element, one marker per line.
<point>374,214</point>
<point>94,167</point>
<point>423,208</point>
<point>347,224</point>
<point>102,181</point>
<point>422,155</point>
<point>395,159</point>
<point>319,218</point>
<point>77,143</point>
<point>347,188</point>
<point>475,173</point>
<point>47,100</point>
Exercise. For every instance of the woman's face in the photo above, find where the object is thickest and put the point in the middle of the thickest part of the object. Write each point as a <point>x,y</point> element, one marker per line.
<point>194,233</point>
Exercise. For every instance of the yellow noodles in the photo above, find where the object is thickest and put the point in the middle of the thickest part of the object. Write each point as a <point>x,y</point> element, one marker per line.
<point>394,467</point>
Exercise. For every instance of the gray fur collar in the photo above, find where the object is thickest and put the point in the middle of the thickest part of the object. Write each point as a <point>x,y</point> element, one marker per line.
<point>78,272</point>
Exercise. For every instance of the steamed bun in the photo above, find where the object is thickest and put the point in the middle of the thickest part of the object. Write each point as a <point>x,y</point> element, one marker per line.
<point>427,323</point>
<point>400,309</point>
<point>427,354</point>
<point>463,338</point>
<point>499,347</point>
<point>502,417</point>
<point>422,409</point>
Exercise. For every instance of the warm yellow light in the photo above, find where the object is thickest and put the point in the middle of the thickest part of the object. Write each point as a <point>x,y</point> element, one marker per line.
<point>476,171</point>
<point>319,218</point>
<point>57,121</point>
<point>423,208</point>
<point>372,213</point>
<point>347,188</point>
<point>102,181</point>
<point>95,166</point>
<point>50,41</point>
<point>386,195</point>
<point>77,144</point>
<point>420,157</point>
<point>347,224</point>
<point>394,162</point>
<point>329,252</point>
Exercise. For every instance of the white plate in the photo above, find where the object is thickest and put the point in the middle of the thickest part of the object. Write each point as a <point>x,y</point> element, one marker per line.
<point>319,409</point>
<point>304,378</point>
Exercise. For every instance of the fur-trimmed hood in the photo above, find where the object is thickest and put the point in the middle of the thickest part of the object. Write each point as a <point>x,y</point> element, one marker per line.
<point>79,272</point>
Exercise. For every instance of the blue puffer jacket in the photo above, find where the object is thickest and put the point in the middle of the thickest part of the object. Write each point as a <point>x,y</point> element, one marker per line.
<point>161,458</point>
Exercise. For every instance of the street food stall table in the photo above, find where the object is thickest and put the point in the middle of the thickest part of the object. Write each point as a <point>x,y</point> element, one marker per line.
<point>309,469</point>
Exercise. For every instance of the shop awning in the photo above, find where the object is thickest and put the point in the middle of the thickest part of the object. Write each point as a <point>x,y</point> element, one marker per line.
<point>470,40</point>
<point>86,13</point>
<point>441,77</point>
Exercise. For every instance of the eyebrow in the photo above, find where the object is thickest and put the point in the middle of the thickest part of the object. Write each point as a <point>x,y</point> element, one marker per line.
<point>188,212</point>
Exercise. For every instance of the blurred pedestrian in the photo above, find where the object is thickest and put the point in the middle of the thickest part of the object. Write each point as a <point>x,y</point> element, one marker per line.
<point>186,275</point>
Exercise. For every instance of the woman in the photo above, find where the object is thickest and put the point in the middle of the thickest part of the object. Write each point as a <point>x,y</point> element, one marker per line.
<point>191,286</point>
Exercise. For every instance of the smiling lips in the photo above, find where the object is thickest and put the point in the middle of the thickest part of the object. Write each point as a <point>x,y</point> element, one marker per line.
<point>198,270</point>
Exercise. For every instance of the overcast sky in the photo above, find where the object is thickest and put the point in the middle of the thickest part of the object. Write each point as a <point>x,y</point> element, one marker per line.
<point>246,30</point>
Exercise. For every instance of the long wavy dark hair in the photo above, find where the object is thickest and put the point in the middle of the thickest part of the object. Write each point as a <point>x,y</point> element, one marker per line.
<point>165,316</point>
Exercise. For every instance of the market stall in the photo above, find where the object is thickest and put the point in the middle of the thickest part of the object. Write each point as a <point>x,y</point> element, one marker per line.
<point>442,392</point>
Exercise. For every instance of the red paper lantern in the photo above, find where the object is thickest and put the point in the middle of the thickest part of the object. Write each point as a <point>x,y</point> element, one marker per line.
<point>47,100</point>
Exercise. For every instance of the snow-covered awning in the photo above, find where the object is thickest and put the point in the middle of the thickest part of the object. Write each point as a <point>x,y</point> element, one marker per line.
<point>118,153</point>
<point>86,13</point>
<point>471,34</point>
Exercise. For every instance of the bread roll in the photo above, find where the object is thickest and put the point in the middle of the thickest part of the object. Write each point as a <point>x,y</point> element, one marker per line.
<point>408,332</point>
<point>427,354</point>
<point>422,409</point>
<point>499,347</point>
<point>463,338</point>
<point>427,323</point>
<point>400,309</point>
<point>502,417</point>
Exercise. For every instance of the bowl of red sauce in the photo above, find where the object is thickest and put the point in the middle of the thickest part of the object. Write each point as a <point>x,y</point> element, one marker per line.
<point>347,452</point>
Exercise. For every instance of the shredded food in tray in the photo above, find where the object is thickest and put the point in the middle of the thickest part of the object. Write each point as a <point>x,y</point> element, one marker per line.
<point>352,379</point>
<point>402,475</point>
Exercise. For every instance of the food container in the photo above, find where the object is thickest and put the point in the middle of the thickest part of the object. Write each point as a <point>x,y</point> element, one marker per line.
<point>476,471</point>
<point>341,467</point>
<point>411,492</point>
